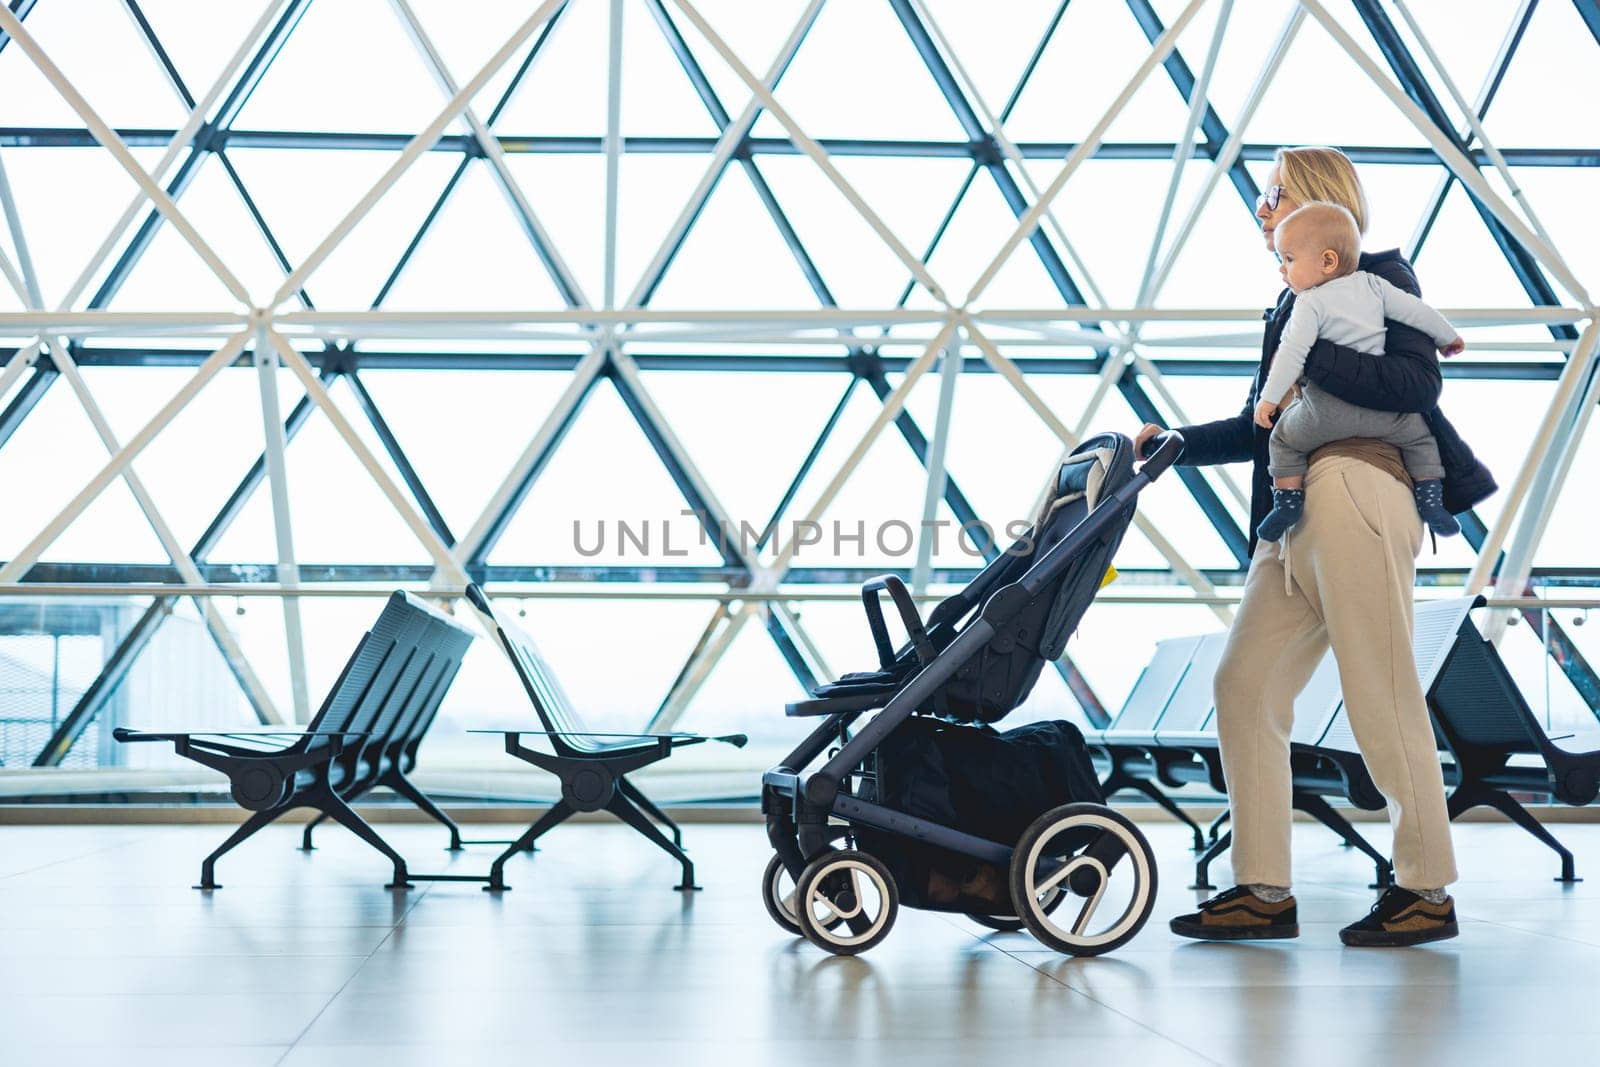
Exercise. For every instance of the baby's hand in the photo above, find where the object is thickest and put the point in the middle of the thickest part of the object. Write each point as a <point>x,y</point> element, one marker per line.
<point>1454,348</point>
<point>1264,412</point>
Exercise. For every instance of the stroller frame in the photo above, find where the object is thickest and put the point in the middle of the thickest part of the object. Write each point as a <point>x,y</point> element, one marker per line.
<point>807,810</point>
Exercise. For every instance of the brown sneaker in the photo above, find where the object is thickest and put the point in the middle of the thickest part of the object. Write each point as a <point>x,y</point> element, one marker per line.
<point>1239,915</point>
<point>1402,918</point>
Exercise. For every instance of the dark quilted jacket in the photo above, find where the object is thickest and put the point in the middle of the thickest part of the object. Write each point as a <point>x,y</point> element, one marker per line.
<point>1405,378</point>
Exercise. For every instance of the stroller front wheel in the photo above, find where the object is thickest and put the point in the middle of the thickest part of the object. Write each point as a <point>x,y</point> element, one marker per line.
<point>846,901</point>
<point>1096,855</point>
<point>779,894</point>
<point>779,898</point>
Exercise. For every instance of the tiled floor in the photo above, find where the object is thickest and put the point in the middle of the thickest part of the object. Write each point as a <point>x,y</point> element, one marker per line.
<point>108,957</point>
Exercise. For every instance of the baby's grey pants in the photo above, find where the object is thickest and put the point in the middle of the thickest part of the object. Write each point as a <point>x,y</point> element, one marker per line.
<point>1319,418</point>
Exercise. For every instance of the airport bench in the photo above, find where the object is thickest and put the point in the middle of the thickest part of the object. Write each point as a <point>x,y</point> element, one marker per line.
<point>1485,723</point>
<point>365,734</point>
<point>591,766</point>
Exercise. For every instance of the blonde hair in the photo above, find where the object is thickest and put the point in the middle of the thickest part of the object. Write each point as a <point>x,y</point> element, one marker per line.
<point>1329,226</point>
<point>1326,174</point>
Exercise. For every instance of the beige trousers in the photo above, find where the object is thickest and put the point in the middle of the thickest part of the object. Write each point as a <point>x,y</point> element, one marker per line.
<point>1351,564</point>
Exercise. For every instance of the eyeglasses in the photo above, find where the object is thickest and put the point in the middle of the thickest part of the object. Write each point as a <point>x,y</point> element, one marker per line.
<point>1269,199</point>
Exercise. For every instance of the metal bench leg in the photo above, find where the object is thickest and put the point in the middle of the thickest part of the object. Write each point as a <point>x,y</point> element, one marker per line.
<point>623,808</point>
<point>1155,793</point>
<point>1217,824</point>
<point>322,817</point>
<point>558,814</point>
<point>1320,810</point>
<point>1202,868</point>
<point>346,816</point>
<point>402,785</point>
<point>255,822</point>
<point>1508,806</point>
<point>635,794</point>
<point>305,836</point>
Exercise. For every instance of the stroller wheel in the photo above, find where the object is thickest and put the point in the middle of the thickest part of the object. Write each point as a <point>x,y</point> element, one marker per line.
<point>778,894</point>
<point>846,902</point>
<point>1096,855</point>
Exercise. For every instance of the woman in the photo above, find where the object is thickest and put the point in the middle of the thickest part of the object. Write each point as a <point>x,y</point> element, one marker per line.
<point>1348,584</point>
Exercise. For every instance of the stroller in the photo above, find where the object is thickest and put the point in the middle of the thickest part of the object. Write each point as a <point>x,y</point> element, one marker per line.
<point>973,662</point>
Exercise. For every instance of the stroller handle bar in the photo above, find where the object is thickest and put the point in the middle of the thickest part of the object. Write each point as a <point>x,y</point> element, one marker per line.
<point>1163,451</point>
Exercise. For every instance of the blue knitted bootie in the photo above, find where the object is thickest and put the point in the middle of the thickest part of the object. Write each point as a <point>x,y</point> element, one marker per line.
<point>1287,507</point>
<point>1430,504</point>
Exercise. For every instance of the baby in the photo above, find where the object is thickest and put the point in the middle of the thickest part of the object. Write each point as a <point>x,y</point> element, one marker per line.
<point>1318,247</point>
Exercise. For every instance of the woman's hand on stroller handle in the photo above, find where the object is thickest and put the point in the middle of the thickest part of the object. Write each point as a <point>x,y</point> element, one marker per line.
<point>1146,432</point>
<point>1159,448</point>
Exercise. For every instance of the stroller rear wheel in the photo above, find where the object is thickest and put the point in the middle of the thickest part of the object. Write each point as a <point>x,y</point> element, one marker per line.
<point>846,902</point>
<point>1095,854</point>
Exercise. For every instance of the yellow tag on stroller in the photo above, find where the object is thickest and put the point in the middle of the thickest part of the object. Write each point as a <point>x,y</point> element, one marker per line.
<point>1111,576</point>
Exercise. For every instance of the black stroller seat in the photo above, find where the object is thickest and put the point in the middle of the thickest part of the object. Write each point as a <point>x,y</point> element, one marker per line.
<point>1004,672</point>
<point>975,659</point>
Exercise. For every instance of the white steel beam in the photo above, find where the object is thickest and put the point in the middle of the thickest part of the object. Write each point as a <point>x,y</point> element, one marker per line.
<point>413,151</point>
<point>266,362</point>
<point>175,148</point>
<point>1056,321</point>
<point>493,152</point>
<point>1463,168</point>
<point>791,620</point>
<point>1009,149</point>
<point>1158,382</point>
<point>949,372</point>
<point>628,371</point>
<point>892,405</point>
<point>297,363</point>
<point>1181,154</point>
<point>1476,125</point>
<point>1574,376</point>
<point>18,365</point>
<point>188,571</point>
<point>1231,149</point>
<point>1013,374</point>
<point>18,565</point>
<point>612,144</point>
<point>108,138</point>
<point>1116,363</point>
<point>583,375</point>
<point>1185,149</point>
<point>227,643</point>
<point>13,277</point>
<point>726,145</point>
<point>456,321</point>
<point>23,278</point>
<point>1086,148</point>
<point>701,664</point>
<point>1491,78</point>
<point>815,151</point>
<point>1543,497</point>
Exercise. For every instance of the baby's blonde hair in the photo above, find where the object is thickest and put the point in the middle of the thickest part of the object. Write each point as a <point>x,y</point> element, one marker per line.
<point>1309,174</point>
<point>1328,226</point>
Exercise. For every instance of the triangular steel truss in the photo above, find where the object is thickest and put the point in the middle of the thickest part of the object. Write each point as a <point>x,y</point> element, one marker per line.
<point>887,349</point>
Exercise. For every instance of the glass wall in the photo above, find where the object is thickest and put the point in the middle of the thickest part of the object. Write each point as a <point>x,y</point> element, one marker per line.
<point>640,313</point>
